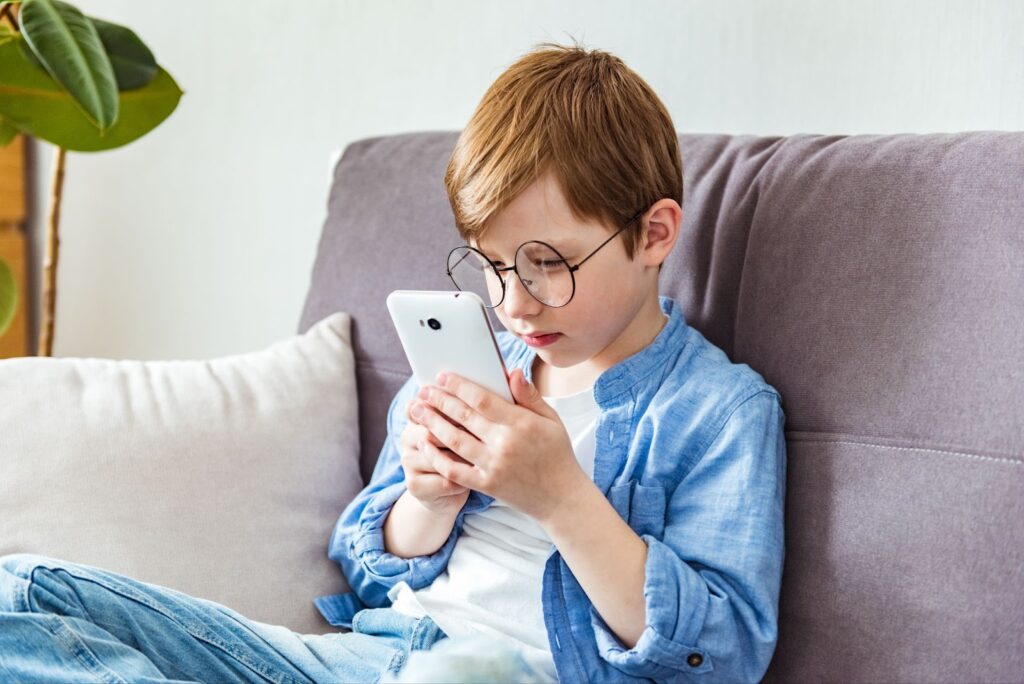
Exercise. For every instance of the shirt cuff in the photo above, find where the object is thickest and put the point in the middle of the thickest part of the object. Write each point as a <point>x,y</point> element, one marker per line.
<point>368,547</point>
<point>675,605</point>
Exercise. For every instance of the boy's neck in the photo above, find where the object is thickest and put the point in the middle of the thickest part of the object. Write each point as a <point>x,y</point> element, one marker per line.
<point>559,382</point>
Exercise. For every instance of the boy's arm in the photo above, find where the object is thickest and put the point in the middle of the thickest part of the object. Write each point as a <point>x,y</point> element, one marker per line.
<point>706,593</point>
<point>412,529</point>
<point>357,542</point>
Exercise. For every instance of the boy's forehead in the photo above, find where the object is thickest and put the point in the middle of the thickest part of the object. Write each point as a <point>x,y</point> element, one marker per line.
<point>540,212</point>
<point>498,238</point>
<point>510,232</point>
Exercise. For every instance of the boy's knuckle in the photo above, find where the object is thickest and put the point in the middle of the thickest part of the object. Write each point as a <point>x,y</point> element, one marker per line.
<point>457,441</point>
<point>443,467</point>
<point>451,408</point>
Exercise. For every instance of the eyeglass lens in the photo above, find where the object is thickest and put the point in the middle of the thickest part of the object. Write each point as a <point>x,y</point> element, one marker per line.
<point>543,272</point>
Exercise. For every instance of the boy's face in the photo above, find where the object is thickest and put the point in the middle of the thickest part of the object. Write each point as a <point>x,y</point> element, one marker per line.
<point>615,302</point>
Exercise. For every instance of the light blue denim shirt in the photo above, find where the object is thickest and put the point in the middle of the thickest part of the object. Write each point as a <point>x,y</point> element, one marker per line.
<point>691,453</point>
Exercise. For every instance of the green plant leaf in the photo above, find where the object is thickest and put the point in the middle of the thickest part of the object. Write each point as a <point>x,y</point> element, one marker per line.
<point>8,296</point>
<point>69,46</point>
<point>6,33</point>
<point>7,132</point>
<point>39,106</point>
<point>133,62</point>
<point>31,56</point>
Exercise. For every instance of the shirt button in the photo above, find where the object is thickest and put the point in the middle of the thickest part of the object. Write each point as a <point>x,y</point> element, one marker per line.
<point>695,659</point>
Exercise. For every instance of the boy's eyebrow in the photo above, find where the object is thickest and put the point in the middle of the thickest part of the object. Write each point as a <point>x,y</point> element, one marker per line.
<point>565,246</point>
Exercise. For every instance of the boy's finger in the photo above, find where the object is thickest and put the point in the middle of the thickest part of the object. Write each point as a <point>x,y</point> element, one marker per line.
<point>485,402</point>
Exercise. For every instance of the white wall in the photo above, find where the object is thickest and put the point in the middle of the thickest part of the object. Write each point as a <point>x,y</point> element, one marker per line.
<point>198,239</point>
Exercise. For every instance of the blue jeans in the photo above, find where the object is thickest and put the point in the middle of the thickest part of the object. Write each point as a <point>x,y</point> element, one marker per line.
<point>70,622</point>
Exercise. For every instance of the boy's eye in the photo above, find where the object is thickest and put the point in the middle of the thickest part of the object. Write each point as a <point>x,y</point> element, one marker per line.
<point>543,263</point>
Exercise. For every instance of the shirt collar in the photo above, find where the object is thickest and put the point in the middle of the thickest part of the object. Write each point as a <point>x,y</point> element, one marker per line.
<point>613,385</point>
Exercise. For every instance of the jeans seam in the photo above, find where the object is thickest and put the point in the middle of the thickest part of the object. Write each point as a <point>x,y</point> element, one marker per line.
<point>21,600</point>
<point>416,639</point>
<point>82,653</point>
<point>194,629</point>
<point>418,631</point>
<point>399,656</point>
<point>416,642</point>
<point>258,636</point>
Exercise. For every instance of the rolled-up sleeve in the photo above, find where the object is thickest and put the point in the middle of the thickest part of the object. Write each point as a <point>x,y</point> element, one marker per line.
<point>713,578</point>
<point>357,542</point>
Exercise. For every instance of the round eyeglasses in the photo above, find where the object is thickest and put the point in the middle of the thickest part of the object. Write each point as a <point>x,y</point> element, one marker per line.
<point>544,273</point>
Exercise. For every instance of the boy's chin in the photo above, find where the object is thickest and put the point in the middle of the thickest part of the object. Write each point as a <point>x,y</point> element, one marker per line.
<point>558,358</point>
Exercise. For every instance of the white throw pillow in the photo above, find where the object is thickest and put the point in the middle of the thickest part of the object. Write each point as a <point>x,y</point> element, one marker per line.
<point>221,478</point>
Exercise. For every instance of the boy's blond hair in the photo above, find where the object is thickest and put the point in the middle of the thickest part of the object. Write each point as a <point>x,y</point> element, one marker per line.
<point>584,116</point>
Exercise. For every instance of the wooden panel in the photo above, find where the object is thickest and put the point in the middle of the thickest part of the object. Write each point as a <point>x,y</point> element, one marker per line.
<point>14,342</point>
<point>12,181</point>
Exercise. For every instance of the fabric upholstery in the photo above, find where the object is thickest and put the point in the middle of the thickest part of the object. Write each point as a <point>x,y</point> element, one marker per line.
<point>875,281</point>
<point>220,478</point>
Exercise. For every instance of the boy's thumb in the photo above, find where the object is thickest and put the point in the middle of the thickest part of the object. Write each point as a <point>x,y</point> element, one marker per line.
<point>524,390</point>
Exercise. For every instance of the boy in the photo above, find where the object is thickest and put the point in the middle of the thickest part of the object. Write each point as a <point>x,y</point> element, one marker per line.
<point>621,521</point>
<point>510,520</point>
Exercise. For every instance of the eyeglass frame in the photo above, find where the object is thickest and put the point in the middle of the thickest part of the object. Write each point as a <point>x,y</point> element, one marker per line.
<point>572,268</point>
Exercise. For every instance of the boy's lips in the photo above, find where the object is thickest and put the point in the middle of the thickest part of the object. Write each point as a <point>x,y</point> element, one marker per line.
<point>540,339</point>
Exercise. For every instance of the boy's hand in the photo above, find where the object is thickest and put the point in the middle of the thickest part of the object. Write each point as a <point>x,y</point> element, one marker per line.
<point>519,453</point>
<point>434,491</point>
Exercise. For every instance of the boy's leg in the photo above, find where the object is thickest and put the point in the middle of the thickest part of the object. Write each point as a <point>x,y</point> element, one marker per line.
<point>63,621</point>
<point>380,643</point>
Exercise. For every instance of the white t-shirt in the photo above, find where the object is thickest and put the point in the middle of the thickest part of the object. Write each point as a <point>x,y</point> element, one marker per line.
<point>492,584</point>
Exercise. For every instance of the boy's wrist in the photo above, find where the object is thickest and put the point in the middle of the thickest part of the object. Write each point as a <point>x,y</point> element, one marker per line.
<point>445,510</point>
<point>411,529</point>
<point>570,505</point>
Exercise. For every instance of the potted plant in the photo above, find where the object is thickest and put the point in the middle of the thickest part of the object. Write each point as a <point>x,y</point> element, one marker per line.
<point>81,83</point>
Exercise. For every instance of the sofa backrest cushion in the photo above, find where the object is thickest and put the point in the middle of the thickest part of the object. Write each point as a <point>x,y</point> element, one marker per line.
<point>877,283</point>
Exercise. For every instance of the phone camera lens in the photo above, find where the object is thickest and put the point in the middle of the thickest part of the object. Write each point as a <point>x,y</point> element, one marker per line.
<point>434,323</point>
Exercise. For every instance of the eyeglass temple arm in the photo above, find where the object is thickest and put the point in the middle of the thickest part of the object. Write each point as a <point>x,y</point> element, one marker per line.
<point>573,269</point>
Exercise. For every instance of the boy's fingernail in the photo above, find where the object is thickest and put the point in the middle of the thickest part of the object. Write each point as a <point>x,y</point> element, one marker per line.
<point>442,379</point>
<point>417,410</point>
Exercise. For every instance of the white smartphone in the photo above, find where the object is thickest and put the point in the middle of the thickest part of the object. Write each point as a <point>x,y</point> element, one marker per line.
<point>448,331</point>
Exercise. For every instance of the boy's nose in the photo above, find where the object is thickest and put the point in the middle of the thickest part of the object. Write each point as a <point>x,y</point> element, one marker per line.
<point>518,302</point>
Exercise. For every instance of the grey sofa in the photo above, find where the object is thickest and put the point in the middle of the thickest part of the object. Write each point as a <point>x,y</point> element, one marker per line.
<point>878,283</point>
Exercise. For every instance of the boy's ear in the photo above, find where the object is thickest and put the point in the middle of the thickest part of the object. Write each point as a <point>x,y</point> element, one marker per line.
<point>660,231</point>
